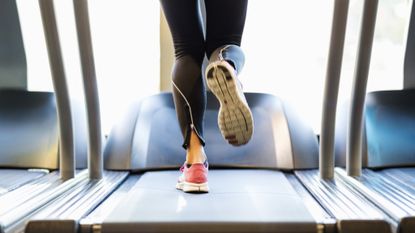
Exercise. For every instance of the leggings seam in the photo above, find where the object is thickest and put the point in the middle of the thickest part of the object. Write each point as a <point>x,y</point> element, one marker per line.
<point>192,126</point>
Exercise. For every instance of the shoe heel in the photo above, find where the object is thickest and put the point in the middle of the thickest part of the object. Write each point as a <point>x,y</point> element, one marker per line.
<point>195,188</point>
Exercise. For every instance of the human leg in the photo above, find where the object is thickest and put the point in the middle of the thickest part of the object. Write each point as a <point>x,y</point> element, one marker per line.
<point>225,24</point>
<point>189,92</point>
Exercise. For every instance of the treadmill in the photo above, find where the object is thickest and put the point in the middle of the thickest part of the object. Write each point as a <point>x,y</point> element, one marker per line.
<point>60,126</point>
<point>29,132</point>
<point>377,132</point>
<point>270,185</point>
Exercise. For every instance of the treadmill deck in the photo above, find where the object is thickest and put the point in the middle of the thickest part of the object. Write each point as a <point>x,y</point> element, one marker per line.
<point>238,201</point>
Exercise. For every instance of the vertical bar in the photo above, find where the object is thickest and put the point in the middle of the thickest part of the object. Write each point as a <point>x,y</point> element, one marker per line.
<point>66,138</point>
<point>354,136</point>
<point>331,90</point>
<point>95,164</point>
<point>409,63</point>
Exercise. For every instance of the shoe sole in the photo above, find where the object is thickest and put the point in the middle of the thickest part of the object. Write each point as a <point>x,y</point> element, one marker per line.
<point>234,118</point>
<point>193,187</point>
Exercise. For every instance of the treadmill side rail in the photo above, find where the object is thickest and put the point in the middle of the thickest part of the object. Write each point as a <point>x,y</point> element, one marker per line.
<point>395,199</point>
<point>352,210</point>
<point>326,223</point>
<point>63,214</point>
<point>19,205</point>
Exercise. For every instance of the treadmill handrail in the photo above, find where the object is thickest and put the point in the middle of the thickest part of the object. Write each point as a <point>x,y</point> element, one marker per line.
<point>66,135</point>
<point>95,164</point>
<point>331,89</point>
<point>355,127</point>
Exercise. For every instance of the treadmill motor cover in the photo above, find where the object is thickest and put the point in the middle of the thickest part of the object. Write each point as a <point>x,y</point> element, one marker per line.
<point>149,137</point>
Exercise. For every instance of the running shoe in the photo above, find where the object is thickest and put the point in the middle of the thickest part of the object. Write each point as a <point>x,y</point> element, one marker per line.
<point>193,178</point>
<point>235,118</point>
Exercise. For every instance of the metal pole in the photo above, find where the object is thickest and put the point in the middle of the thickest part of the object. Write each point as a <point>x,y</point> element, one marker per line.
<point>331,90</point>
<point>66,138</point>
<point>354,136</point>
<point>95,164</point>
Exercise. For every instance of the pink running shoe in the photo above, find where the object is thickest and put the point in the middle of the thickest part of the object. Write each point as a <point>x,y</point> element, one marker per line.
<point>193,178</point>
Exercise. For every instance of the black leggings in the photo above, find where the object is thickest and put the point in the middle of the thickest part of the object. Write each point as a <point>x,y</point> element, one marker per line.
<point>224,26</point>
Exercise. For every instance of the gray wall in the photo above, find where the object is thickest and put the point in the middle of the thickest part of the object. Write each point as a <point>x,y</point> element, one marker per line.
<point>166,54</point>
<point>13,70</point>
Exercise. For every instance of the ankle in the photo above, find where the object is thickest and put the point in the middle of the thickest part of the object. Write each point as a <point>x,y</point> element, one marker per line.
<point>195,152</point>
<point>193,156</point>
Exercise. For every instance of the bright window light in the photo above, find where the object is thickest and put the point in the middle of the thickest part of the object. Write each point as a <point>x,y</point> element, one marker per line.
<point>286,45</point>
<point>125,36</point>
<point>285,41</point>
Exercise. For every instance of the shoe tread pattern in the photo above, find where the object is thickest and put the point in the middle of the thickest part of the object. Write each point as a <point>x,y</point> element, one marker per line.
<point>234,118</point>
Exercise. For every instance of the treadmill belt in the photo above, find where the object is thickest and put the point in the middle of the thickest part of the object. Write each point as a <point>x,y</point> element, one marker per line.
<point>238,201</point>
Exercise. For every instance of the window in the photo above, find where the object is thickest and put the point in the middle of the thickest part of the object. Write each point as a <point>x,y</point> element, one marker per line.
<point>285,41</point>
<point>286,45</point>
<point>125,37</point>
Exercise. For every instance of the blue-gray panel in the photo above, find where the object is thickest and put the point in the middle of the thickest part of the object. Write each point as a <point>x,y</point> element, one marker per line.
<point>389,130</point>
<point>29,130</point>
<point>150,138</point>
<point>238,201</point>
